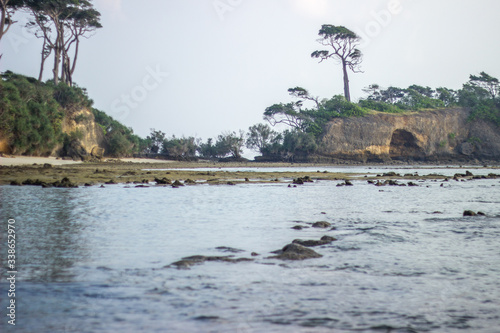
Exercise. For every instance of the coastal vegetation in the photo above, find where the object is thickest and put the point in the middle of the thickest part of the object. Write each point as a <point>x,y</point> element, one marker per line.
<point>32,112</point>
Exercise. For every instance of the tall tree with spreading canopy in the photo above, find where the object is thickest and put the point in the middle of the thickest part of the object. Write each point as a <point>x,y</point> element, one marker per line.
<point>61,23</point>
<point>7,9</point>
<point>344,43</point>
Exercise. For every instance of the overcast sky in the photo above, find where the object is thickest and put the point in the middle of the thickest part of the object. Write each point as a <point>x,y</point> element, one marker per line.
<point>201,67</point>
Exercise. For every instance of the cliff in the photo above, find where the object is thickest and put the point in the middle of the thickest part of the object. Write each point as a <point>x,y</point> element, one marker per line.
<point>89,136</point>
<point>438,135</point>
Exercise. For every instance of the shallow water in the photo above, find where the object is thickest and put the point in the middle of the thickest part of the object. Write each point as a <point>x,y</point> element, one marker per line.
<point>93,259</point>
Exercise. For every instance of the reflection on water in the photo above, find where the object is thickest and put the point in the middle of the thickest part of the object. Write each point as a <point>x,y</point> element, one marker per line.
<point>49,231</point>
<point>406,260</point>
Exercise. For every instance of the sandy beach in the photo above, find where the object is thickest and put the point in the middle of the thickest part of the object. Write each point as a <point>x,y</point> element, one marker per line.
<point>30,160</point>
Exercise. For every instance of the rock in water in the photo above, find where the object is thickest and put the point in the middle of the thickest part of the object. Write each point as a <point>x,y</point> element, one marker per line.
<point>296,252</point>
<point>469,213</point>
<point>311,242</point>
<point>321,224</point>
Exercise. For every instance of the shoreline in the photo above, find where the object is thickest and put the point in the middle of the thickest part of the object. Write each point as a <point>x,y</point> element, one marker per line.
<point>50,172</point>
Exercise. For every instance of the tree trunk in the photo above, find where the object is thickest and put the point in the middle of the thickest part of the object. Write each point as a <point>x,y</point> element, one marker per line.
<point>45,55</point>
<point>347,93</point>
<point>77,45</point>
<point>2,22</point>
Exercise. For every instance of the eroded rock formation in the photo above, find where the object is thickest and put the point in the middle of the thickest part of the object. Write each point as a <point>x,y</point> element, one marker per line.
<point>425,135</point>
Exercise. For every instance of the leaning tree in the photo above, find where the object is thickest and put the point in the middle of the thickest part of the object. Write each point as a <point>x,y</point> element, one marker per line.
<point>61,24</point>
<point>7,9</point>
<point>344,44</point>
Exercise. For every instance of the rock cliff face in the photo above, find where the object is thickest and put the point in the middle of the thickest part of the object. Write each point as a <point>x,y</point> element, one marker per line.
<point>81,124</point>
<point>427,135</point>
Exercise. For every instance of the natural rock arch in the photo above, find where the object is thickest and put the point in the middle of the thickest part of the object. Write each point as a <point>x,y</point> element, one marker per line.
<point>404,145</point>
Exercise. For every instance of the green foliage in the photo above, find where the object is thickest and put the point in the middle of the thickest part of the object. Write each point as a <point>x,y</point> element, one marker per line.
<point>30,117</point>
<point>207,150</point>
<point>230,143</point>
<point>119,144</point>
<point>262,138</point>
<point>180,148</point>
<point>481,94</point>
<point>297,143</point>
<point>71,98</point>
<point>396,100</point>
<point>380,106</point>
<point>452,136</point>
<point>474,140</point>
<point>121,139</point>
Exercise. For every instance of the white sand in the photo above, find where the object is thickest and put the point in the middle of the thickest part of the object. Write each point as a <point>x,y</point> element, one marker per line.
<point>29,160</point>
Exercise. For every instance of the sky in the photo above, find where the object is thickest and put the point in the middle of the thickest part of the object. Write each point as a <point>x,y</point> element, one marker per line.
<point>204,67</point>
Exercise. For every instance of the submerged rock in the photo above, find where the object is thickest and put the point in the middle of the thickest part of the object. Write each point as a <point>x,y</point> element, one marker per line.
<point>228,249</point>
<point>310,243</point>
<point>321,224</point>
<point>295,252</point>
<point>163,181</point>
<point>187,262</point>
<point>302,180</point>
<point>469,213</point>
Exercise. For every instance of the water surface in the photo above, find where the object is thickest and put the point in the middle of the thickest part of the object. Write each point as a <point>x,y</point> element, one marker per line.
<point>406,260</point>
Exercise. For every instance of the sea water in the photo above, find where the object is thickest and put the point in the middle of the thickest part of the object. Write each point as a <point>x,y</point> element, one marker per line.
<point>405,260</point>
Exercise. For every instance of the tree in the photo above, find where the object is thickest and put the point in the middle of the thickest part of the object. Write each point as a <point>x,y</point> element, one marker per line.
<point>230,143</point>
<point>343,42</point>
<point>261,137</point>
<point>157,139</point>
<point>61,23</point>
<point>7,10</point>
<point>288,114</point>
<point>180,147</point>
<point>207,150</point>
<point>303,94</point>
<point>486,82</point>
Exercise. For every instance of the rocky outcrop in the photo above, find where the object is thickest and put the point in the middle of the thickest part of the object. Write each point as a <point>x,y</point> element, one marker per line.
<point>426,135</point>
<point>82,124</point>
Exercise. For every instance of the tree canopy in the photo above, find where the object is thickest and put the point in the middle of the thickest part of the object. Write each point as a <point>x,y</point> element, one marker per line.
<point>61,24</point>
<point>343,43</point>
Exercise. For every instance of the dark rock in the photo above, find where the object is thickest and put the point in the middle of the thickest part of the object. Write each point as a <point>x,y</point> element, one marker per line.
<point>47,166</point>
<point>231,183</point>
<point>413,184</point>
<point>189,182</point>
<point>328,239</point>
<point>321,224</point>
<point>302,180</point>
<point>468,173</point>
<point>298,227</point>
<point>163,181</point>
<point>481,213</point>
<point>187,262</point>
<point>254,254</point>
<point>177,184</point>
<point>15,183</point>
<point>310,243</point>
<point>296,252</point>
<point>469,213</point>
<point>228,249</point>
<point>110,182</point>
